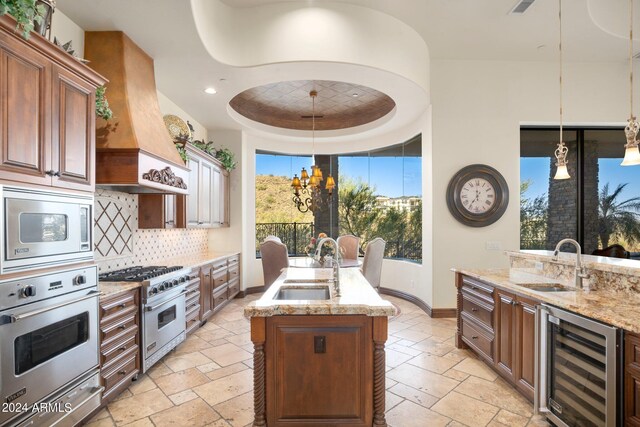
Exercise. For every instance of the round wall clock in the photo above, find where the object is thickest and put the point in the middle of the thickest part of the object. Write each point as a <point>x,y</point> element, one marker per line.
<point>477,195</point>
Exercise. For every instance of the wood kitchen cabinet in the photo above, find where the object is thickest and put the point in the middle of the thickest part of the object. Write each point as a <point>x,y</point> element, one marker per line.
<point>206,292</point>
<point>54,94</point>
<point>330,358</point>
<point>159,211</point>
<point>192,302</point>
<point>207,204</point>
<point>499,326</point>
<point>219,283</point>
<point>119,342</point>
<point>631,379</point>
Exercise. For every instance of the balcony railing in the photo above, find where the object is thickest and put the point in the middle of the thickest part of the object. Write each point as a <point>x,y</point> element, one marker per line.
<point>296,235</point>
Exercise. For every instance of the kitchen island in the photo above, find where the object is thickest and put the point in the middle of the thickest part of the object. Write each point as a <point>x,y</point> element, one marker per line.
<point>319,358</point>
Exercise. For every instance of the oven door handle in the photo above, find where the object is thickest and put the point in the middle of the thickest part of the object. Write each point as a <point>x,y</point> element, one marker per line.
<point>154,307</point>
<point>13,318</point>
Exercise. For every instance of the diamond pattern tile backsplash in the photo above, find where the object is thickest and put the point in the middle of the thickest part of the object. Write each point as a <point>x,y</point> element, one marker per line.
<point>119,243</point>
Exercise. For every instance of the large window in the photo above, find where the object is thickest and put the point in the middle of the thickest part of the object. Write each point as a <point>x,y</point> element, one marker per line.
<point>599,205</point>
<point>379,194</point>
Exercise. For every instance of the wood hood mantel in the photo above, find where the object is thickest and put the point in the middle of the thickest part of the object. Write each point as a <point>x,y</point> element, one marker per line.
<point>134,152</point>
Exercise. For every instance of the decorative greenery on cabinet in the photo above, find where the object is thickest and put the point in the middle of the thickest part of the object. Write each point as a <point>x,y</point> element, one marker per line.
<point>25,12</point>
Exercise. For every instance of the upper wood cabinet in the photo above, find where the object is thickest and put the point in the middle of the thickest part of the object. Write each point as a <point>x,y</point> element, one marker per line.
<point>47,113</point>
<point>158,211</point>
<point>207,204</point>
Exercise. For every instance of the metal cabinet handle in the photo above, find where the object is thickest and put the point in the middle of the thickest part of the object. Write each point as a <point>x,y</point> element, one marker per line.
<point>123,305</point>
<point>122,327</point>
<point>57,173</point>
<point>474,310</point>
<point>181,294</point>
<point>169,222</point>
<point>13,318</point>
<point>123,348</point>
<point>475,337</point>
<point>122,373</point>
<point>49,172</point>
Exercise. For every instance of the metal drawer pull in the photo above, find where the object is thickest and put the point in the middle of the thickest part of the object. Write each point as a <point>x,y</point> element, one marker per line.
<point>474,310</point>
<point>475,337</point>
<point>122,373</point>
<point>123,348</point>
<point>123,305</point>
<point>122,327</point>
<point>13,318</point>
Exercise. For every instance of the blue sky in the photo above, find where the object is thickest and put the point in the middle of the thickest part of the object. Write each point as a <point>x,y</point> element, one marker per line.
<point>386,174</point>
<point>537,170</point>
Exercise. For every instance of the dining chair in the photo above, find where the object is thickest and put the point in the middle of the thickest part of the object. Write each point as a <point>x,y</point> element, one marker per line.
<point>349,246</point>
<point>272,237</point>
<point>274,258</point>
<point>372,264</point>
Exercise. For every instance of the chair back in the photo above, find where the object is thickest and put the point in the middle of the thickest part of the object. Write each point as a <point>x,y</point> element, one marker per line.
<point>614,251</point>
<point>349,246</point>
<point>372,264</point>
<point>272,237</point>
<point>274,259</point>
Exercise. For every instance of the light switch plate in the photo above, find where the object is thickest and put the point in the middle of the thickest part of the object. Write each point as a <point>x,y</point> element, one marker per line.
<point>539,265</point>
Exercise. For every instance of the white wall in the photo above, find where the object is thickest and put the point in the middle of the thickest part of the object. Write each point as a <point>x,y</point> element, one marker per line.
<point>65,29</point>
<point>478,107</point>
<point>167,106</point>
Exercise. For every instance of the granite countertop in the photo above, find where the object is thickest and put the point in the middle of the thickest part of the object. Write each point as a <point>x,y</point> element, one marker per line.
<point>617,308</point>
<point>356,295</point>
<point>609,264</point>
<point>111,288</point>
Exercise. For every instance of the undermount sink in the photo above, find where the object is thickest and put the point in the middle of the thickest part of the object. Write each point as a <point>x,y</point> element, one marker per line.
<point>548,287</point>
<point>303,293</point>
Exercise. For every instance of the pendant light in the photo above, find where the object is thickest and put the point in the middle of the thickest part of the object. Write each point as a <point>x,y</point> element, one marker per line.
<point>562,150</point>
<point>307,193</point>
<point>631,152</point>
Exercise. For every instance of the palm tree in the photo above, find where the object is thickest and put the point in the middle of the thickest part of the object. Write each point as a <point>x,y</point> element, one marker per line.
<point>616,217</point>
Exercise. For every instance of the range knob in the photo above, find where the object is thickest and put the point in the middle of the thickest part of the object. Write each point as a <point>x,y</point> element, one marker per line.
<point>153,291</point>
<point>162,287</point>
<point>184,279</point>
<point>80,279</point>
<point>174,282</point>
<point>28,291</point>
<point>169,284</point>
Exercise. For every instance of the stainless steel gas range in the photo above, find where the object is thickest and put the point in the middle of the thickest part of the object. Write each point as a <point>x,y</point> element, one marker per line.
<point>163,307</point>
<point>49,354</point>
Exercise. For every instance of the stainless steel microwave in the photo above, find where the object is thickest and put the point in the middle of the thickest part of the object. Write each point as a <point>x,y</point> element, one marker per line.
<point>43,228</point>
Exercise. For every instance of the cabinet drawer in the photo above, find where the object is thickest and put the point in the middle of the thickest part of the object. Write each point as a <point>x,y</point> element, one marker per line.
<point>234,272</point>
<point>233,259</point>
<point>122,370</point>
<point>479,310</point>
<point>474,336</point>
<point>234,288</point>
<point>192,298</point>
<point>478,289</point>
<point>219,278</point>
<point>193,306</point>
<point>194,285</point>
<point>192,324</point>
<point>127,325</point>
<point>219,297</point>
<point>219,265</point>
<point>632,351</point>
<point>119,350</point>
<point>114,306</point>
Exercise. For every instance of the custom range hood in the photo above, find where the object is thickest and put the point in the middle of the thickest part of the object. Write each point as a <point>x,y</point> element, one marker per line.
<point>134,152</point>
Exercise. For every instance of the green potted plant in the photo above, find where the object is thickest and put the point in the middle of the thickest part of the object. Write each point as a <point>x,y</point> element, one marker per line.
<point>102,105</point>
<point>25,12</point>
<point>227,158</point>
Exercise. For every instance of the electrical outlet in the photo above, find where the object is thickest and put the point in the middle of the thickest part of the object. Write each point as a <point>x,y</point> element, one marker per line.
<point>539,266</point>
<point>493,245</point>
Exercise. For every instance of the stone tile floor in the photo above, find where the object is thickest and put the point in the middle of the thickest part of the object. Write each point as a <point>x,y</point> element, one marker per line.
<point>207,380</point>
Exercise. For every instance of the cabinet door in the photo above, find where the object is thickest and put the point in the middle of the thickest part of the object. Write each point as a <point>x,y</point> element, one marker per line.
<point>206,292</point>
<point>73,134</point>
<point>525,346</point>
<point>223,199</point>
<point>25,115</point>
<point>319,370</point>
<point>505,327</point>
<point>205,202</point>
<point>216,196</point>
<point>193,163</point>
<point>631,379</point>
<point>170,220</point>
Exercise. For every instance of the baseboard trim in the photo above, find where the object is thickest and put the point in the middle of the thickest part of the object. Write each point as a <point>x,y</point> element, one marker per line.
<point>249,291</point>
<point>432,312</point>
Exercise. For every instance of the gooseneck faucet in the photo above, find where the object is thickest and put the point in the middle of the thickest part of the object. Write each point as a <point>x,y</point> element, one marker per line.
<point>336,263</point>
<point>580,271</point>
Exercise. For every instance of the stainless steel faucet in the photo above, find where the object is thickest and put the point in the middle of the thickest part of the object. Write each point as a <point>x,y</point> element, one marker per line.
<point>336,262</point>
<point>580,271</point>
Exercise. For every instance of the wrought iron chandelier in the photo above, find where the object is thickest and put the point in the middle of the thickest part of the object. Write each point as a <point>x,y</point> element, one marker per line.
<point>562,150</point>
<point>307,189</point>
<point>631,152</point>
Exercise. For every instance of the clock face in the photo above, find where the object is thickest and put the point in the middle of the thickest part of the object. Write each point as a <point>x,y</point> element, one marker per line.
<point>477,195</point>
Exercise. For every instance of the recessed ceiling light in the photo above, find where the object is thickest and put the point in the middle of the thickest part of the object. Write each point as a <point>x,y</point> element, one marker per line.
<point>210,91</point>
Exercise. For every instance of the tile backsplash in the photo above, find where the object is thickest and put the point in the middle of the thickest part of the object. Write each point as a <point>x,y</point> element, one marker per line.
<point>119,243</point>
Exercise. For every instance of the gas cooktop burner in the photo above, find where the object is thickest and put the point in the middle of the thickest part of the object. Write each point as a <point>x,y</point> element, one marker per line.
<point>136,274</point>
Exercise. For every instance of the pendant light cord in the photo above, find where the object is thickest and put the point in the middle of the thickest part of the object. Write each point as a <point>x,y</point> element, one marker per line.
<point>313,94</point>
<point>560,50</point>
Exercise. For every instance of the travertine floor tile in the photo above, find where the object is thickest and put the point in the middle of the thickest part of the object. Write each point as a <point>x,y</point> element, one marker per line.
<point>158,370</point>
<point>226,388</point>
<point>395,358</point>
<point>476,368</point>
<point>227,354</point>
<point>433,363</point>
<point>194,413</point>
<point>410,335</point>
<point>408,414</point>
<point>183,396</point>
<point>180,362</point>
<point>194,343</point>
<point>227,370</point>
<point>103,422</point>
<point>508,419</point>
<point>416,396</point>
<point>465,409</point>
<point>497,393</point>
<point>145,422</point>
<point>181,380</point>
<point>139,406</point>
<point>434,347</point>
<point>423,380</point>
<point>237,411</point>
<point>391,400</point>
<point>144,383</point>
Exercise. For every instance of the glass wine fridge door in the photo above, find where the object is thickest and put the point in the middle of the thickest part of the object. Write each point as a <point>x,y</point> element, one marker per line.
<point>580,370</point>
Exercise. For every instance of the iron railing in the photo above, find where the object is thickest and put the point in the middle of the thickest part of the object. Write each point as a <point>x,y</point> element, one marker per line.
<point>296,235</point>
